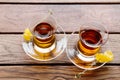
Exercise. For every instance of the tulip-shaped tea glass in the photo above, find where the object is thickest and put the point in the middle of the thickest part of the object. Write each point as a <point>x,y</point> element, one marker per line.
<point>45,44</point>
<point>91,39</point>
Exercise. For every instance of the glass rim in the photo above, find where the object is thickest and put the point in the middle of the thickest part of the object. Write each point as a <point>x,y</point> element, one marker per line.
<point>92,24</point>
<point>51,32</point>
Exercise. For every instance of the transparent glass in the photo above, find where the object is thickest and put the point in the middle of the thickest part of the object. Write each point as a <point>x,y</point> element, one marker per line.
<point>45,44</point>
<point>91,39</point>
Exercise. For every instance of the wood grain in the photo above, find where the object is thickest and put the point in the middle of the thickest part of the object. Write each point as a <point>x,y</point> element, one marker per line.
<point>62,1</point>
<point>57,73</point>
<point>15,18</point>
<point>11,51</point>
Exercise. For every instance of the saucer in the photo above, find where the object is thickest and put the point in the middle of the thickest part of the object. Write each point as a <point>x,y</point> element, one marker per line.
<point>56,49</point>
<point>60,47</point>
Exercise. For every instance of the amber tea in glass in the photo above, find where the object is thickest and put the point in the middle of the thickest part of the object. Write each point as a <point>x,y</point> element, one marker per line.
<point>91,37</point>
<point>44,40</point>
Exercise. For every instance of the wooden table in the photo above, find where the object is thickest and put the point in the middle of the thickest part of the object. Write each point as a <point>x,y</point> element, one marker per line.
<point>16,15</point>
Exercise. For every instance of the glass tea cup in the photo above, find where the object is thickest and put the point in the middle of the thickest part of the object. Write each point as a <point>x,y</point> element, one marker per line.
<point>92,36</point>
<point>44,40</point>
<point>44,44</point>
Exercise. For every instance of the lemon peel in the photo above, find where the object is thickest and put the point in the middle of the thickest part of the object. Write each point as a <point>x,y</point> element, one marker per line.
<point>107,56</point>
<point>27,34</point>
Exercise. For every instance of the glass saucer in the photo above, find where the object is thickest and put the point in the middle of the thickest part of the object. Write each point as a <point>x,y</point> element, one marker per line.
<point>61,44</point>
<point>75,55</point>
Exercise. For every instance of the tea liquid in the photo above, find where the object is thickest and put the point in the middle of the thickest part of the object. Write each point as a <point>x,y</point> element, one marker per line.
<point>88,39</point>
<point>44,40</point>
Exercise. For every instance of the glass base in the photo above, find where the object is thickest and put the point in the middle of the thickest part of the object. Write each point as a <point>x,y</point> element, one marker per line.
<point>82,61</point>
<point>45,55</point>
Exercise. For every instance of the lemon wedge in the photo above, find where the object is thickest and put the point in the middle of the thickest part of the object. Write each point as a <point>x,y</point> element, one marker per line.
<point>27,35</point>
<point>107,56</point>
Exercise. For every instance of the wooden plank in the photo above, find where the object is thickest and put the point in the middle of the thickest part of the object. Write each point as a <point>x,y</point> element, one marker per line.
<point>15,18</point>
<point>62,1</point>
<point>57,73</point>
<point>11,51</point>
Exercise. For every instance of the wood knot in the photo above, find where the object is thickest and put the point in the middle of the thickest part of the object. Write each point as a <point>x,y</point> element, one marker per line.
<point>59,78</point>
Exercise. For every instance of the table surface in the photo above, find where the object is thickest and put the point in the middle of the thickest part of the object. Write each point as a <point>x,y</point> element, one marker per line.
<point>16,15</point>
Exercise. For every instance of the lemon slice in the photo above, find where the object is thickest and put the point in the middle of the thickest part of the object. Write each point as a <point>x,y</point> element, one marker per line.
<point>107,56</point>
<point>27,35</point>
